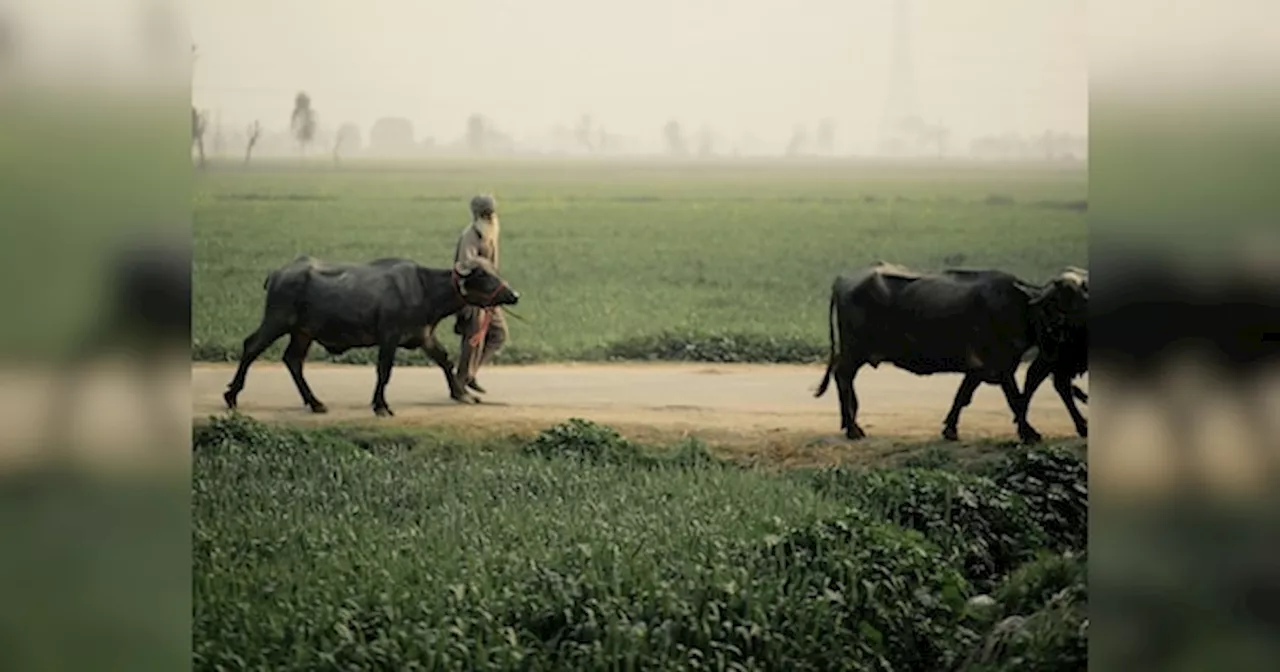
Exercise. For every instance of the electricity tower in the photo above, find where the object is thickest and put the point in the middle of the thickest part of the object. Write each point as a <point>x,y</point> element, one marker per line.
<point>899,128</point>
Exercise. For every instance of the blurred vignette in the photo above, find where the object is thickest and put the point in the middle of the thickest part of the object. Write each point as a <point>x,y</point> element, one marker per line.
<point>95,426</point>
<point>1185,567</point>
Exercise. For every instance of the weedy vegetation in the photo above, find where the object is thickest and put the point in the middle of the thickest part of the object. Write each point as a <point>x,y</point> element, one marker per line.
<point>344,548</point>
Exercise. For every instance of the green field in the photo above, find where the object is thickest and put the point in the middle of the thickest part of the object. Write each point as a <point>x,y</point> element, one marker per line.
<point>364,548</point>
<point>634,260</point>
<point>349,548</point>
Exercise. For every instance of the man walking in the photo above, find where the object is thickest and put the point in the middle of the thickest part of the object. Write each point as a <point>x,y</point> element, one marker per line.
<point>483,331</point>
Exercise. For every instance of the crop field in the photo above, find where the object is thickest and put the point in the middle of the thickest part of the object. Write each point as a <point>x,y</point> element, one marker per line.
<point>633,260</point>
<point>348,548</point>
<point>455,537</point>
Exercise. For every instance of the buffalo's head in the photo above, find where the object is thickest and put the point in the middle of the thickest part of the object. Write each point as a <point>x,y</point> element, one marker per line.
<point>1067,293</point>
<point>1060,309</point>
<point>480,285</point>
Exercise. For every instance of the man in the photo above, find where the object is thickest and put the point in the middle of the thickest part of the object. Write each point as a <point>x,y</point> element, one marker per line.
<point>483,331</point>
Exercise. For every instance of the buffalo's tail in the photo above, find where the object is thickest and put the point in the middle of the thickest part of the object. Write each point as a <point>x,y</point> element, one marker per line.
<point>284,301</point>
<point>832,356</point>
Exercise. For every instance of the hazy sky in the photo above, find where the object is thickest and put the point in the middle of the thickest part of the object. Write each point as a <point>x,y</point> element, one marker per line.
<point>740,66</point>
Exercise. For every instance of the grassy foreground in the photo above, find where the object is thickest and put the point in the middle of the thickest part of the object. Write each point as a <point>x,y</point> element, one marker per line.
<point>633,260</point>
<point>349,549</point>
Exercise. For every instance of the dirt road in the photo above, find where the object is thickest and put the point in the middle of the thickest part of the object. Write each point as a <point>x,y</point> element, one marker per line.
<point>722,401</point>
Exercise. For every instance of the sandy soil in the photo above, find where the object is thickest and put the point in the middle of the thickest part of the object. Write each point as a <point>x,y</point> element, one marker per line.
<point>762,411</point>
<point>723,402</point>
<point>765,412</point>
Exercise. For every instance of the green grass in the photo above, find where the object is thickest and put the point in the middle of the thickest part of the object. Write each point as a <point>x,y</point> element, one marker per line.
<point>345,548</point>
<point>634,260</point>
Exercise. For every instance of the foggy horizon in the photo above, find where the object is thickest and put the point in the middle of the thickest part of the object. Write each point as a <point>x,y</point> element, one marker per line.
<point>752,73</point>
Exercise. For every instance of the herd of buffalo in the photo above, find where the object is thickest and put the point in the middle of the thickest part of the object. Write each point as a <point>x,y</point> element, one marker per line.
<point>980,323</point>
<point>977,322</point>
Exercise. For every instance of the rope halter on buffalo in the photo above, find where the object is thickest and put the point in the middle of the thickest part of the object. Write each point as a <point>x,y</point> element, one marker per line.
<point>486,306</point>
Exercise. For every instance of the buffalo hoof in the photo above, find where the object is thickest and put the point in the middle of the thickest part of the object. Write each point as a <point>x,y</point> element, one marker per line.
<point>466,398</point>
<point>383,412</point>
<point>1029,436</point>
<point>950,434</point>
<point>1083,430</point>
<point>230,398</point>
<point>319,407</point>
<point>476,386</point>
<point>855,433</point>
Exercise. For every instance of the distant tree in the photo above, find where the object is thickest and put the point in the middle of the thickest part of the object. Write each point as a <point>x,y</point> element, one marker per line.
<point>583,134</point>
<point>674,136</point>
<point>937,137</point>
<point>252,134</point>
<point>303,121</point>
<point>476,127</point>
<point>483,136</point>
<point>826,136</point>
<point>1053,144</point>
<point>391,136</point>
<point>799,141</point>
<point>346,139</point>
<point>199,121</point>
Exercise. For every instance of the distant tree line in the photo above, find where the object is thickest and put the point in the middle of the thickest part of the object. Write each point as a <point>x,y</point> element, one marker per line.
<point>1049,146</point>
<point>395,136</point>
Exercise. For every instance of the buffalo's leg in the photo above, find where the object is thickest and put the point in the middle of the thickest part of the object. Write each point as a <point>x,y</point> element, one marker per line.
<point>1063,385</point>
<point>294,356</point>
<point>386,358</point>
<point>845,372</point>
<point>1037,373</point>
<point>254,346</point>
<point>964,397</point>
<point>1018,404</point>
<point>440,356</point>
<point>1039,370</point>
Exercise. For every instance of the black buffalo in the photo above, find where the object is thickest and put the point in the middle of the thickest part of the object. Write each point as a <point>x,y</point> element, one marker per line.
<point>1064,351</point>
<point>1061,335</point>
<point>388,303</point>
<point>976,322</point>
